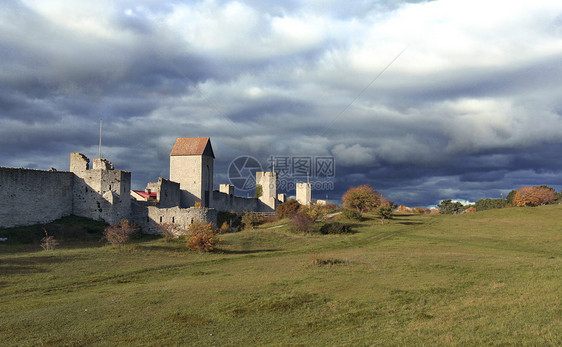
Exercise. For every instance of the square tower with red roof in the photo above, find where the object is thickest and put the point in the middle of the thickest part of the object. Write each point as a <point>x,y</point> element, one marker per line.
<point>191,165</point>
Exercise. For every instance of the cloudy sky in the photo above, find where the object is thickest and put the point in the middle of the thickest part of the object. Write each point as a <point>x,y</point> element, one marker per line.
<point>423,100</point>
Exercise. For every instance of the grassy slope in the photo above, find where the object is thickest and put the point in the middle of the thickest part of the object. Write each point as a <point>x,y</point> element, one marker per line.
<point>487,278</point>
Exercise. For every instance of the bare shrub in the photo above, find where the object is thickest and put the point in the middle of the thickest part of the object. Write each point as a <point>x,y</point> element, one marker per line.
<point>171,231</point>
<point>317,261</point>
<point>202,237</point>
<point>269,218</point>
<point>302,222</point>
<point>48,243</point>
<point>120,233</point>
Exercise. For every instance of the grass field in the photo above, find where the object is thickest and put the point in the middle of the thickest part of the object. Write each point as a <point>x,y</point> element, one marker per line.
<point>491,278</point>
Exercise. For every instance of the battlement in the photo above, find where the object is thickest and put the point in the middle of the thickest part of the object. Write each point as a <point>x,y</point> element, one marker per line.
<point>102,164</point>
<point>79,162</point>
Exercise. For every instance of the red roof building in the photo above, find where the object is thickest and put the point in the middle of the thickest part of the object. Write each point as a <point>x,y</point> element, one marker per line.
<point>193,146</point>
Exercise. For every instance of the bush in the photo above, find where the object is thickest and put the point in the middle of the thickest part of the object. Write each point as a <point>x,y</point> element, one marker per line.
<point>250,219</point>
<point>269,218</point>
<point>171,231</point>
<point>351,214</point>
<point>259,191</point>
<point>449,207</point>
<point>48,243</point>
<point>330,207</point>
<point>120,233</point>
<point>488,204</point>
<point>328,261</point>
<point>202,237</point>
<point>404,209</point>
<point>302,222</point>
<point>534,196</point>
<point>288,208</point>
<point>335,228</point>
<point>234,220</point>
<point>225,228</point>
<point>384,212</point>
<point>313,211</point>
<point>420,210</point>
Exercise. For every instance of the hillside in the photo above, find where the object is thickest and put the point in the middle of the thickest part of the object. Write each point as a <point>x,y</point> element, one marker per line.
<point>491,277</point>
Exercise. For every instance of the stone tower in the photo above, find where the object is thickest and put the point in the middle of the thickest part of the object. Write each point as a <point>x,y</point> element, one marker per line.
<point>101,192</point>
<point>191,165</point>
<point>304,193</point>
<point>268,182</point>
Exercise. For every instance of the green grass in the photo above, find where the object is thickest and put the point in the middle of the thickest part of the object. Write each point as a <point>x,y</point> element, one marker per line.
<point>491,278</point>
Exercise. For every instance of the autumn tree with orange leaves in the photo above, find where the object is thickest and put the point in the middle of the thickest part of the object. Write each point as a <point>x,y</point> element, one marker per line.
<point>362,198</point>
<point>533,196</point>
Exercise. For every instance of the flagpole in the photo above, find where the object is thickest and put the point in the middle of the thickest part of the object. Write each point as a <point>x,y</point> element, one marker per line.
<point>100,140</point>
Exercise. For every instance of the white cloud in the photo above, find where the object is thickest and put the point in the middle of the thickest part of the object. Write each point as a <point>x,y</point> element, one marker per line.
<point>354,155</point>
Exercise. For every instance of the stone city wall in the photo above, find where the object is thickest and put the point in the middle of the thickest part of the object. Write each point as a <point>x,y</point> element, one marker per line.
<point>149,217</point>
<point>228,203</point>
<point>34,196</point>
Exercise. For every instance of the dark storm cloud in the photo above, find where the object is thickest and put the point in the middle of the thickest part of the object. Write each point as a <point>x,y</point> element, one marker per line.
<point>469,110</point>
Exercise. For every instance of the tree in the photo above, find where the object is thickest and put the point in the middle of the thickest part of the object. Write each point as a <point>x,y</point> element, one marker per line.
<point>510,196</point>
<point>488,204</point>
<point>384,212</point>
<point>362,198</point>
<point>449,207</point>
<point>288,208</point>
<point>534,196</point>
<point>404,209</point>
<point>259,191</point>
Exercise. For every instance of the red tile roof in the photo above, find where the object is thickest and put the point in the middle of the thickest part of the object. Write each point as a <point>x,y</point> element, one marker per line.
<point>193,146</point>
<point>146,195</point>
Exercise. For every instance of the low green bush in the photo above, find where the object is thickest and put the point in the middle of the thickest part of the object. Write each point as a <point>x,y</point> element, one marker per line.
<point>250,220</point>
<point>351,214</point>
<point>335,228</point>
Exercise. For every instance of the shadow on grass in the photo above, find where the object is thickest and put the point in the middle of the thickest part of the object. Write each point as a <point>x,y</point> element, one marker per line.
<point>29,265</point>
<point>172,247</point>
<point>405,219</point>
<point>246,251</point>
<point>409,223</point>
